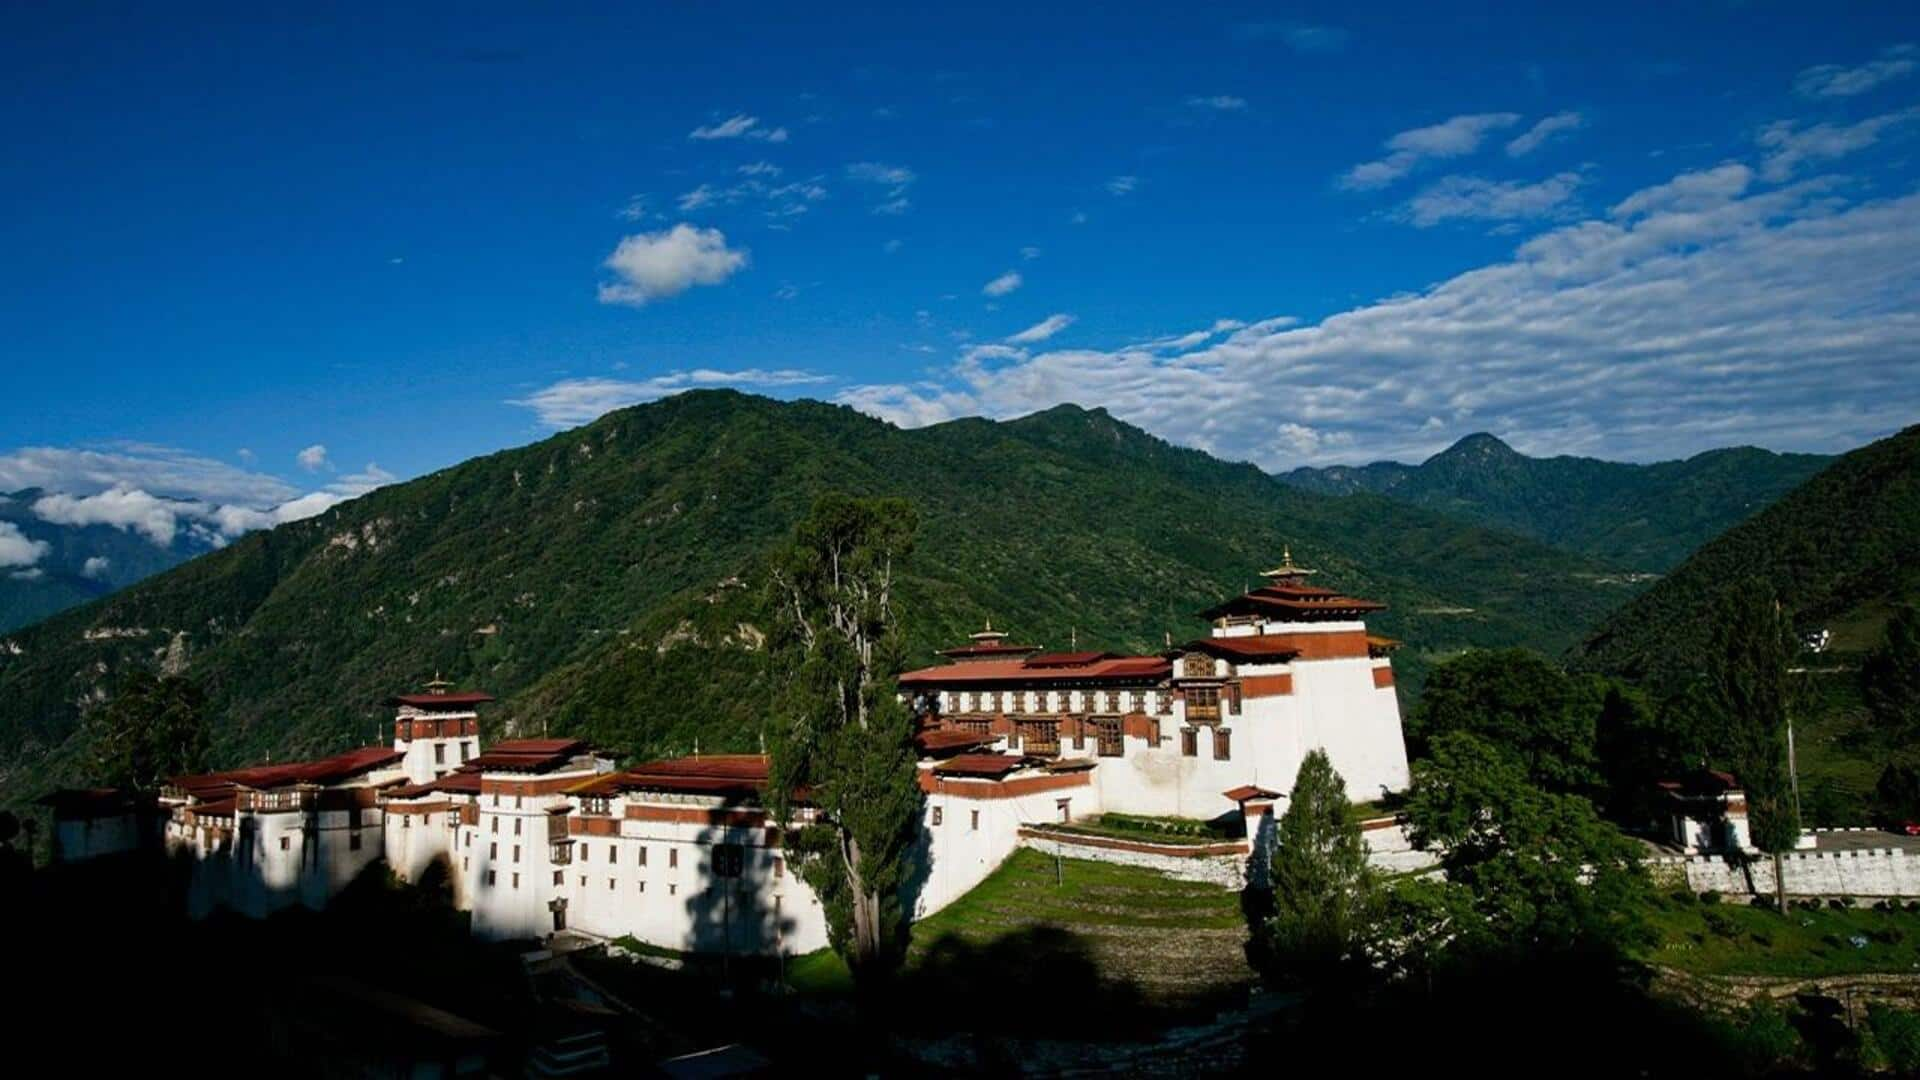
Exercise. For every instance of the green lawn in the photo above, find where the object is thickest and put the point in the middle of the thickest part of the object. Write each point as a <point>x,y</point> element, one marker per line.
<point>1145,829</point>
<point>1736,939</point>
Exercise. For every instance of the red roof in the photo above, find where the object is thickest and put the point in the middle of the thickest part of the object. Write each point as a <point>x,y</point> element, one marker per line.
<point>967,651</point>
<point>459,783</point>
<point>1249,791</point>
<point>1106,668</point>
<point>733,775</point>
<point>934,742</point>
<point>327,770</point>
<point>1290,601</point>
<point>990,766</point>
<point>87,802</point>
<point>526,755</point>
<point>1258,648</point>
<point>1066,659</point>
<point>463,700</point>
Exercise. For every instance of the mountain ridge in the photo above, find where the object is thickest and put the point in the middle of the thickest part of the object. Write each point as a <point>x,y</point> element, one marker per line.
<point>1648,517</point>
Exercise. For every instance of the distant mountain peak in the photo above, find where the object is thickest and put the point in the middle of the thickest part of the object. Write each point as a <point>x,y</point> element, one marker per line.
<point>1479,445</point>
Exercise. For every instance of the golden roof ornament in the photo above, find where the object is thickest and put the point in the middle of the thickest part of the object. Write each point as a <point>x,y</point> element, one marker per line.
<point>438,685</point>
<point>989,634</point>
<point>1287,569</point>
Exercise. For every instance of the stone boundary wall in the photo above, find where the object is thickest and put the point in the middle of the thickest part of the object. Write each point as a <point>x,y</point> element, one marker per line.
<point>1729,995</point>
<point>1222,864</point>
<point>1868,873</point>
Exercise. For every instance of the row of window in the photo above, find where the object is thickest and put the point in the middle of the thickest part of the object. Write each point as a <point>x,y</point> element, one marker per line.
<point>1202,701</point>
<point>939,814</point>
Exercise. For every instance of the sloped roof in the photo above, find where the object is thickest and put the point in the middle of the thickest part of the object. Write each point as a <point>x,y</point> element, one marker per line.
<point>1293,602</point>
<point>462,700</point>
<point>1270,649</point>
<point>1047,668</point>
<point>984,766</point>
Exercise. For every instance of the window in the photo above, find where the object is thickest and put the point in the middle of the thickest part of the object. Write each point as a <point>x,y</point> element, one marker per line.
<point>465,863</point>
<point>556,877</point>
<point>516,826</point>
<point>613,854</point>
<point>353,842</point>
<point>426,819</point>
<point>1040,736</point>
<point>583,881</point>
<point>493,850</point>
<point>466,751</point>
<point>494,823</point>
<point>1222,744</point>
<point>519,801</point>
<point>1203,703</point>
<point>1233,699</point>
<point>283,843</point>
<point>643,856</point>
<point>672,888</point>
<point>406,820</point>
<point>469,839</point>
<point>609,884</point>
<point>673,857</point>
<point>1065,808</point>
<point>936,816</point>
<point>1165,702</point>
<point>779,868</point>
<point>1106,730</point>
<point>643,886</point>
<point>516,853</point>
<point>516,881</point>
<point>1189,742</point>
<point>491,879</point>
<point>439,753</point>
<point>976,821</point>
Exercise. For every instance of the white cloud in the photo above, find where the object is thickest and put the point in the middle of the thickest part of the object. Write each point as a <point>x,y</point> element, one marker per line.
<point>1452,138</point>
<point>313,458</point>
<point>1790,146</point>
<point>634,210</point>
<point>1123,185</point>
<point>1537,136</point>
<point>1834,80</point>
<point>32,574</point>
<point>1472,197</point>
<point>760,168</point>
<point>1697,314</point>
<point>1042,330</point>
<point>1003,284</point>
<point>162,470</point>
<point>96,567</point>
<point>655,265</point>
<point>18,549</point>
<point>740,126</point>
<point>1029,253</point>
<point>1219,103</point>
<point>893,207</point>
<point>572,402</point>
<point>126,508</point>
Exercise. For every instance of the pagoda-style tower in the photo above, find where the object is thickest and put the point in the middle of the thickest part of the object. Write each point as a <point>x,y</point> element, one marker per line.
<point>438,730</point>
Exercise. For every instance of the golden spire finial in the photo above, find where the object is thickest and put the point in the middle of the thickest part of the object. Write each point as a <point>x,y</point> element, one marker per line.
<point>1286,568</point>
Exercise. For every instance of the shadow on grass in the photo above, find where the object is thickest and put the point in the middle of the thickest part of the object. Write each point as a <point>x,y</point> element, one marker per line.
<point>1043,981</point>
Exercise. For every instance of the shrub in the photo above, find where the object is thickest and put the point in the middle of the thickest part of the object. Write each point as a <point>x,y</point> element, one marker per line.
<point>1721,923</point>
<point>1683,897</point>
<point>1897,1033</point>
<point>1838,903</point>
<point>1762,938</point>
<point>1766,1039</point>
<point>1711,896</point>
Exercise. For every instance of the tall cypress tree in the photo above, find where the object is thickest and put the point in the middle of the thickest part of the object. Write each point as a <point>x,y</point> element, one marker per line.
<point>843,737</point>
<point>1322,887</point>
<point>1748,682</point>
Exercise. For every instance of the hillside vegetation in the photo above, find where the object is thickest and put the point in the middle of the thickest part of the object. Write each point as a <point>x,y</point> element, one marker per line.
<point>1646,517</point>
<point>606,581</point>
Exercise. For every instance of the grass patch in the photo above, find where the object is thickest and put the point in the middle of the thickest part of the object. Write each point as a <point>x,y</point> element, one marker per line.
<point>819,972</point>
<point>1736,939</point>
<point>1091,896</point>
<point>1150,830</point>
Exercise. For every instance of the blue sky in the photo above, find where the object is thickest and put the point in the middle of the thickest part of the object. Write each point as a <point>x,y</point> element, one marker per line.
<point>255,258</point>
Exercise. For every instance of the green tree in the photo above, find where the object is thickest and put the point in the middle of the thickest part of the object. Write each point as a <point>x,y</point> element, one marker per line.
<point>152,728</point>
<point>1323,889</point>
<point>1520,701</point>
<point>1890,675</point>
<point>1748,682</point>
<point>1897,794</point>
<point>1541,869</point>
<point>844,738</point>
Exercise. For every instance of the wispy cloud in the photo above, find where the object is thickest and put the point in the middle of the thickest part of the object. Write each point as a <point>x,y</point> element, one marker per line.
<point>313,458</point>
<point>19,550</point>
<point>1300,37</point>
<point>1003,284</point>
<point>1042,330</point>
<point>572,402</point>
<point>739,126</point>
<point>1474,198</point>
<point>894,180</point>
<point>1790,146</point>
<point>1836,80</point>
<point>1697,313</point>
<point>650,266</point>
<point>1452,138</point>
<point>1219,103</point>
<point>1538,135</point>
<point>1123,185</point>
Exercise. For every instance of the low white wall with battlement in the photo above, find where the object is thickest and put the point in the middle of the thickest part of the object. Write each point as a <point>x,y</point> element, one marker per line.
<point>1222,864</point>
<point>1865,872</point>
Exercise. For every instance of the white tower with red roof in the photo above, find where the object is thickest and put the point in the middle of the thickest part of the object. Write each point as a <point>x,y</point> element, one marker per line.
<point>438,731</point>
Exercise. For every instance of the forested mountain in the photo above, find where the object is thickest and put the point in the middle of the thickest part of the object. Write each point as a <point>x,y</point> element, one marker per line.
<point>607,580</point>
<point>1646,517</point>
<point>78,563</point>
<point>1840,550</point>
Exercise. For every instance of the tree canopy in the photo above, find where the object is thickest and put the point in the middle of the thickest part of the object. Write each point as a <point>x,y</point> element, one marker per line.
<point>844,738</point>
<point>152,728</point>
<point>1890,675</point>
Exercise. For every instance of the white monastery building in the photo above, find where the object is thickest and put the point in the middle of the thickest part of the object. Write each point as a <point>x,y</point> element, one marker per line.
<point>541,835</point>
